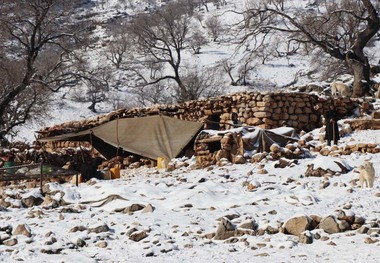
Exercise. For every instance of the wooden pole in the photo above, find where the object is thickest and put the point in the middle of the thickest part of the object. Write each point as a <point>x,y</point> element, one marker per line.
<point>41,175</point>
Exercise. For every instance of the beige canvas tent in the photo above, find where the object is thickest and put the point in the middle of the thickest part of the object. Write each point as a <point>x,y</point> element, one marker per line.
<point>151,136</point>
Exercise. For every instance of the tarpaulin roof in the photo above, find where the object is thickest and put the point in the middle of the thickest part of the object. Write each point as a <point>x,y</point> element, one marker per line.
<point>151,136</point>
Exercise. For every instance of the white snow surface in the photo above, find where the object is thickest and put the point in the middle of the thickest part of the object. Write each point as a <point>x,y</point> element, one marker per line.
<point>187,207</point>
<point>187,204</point>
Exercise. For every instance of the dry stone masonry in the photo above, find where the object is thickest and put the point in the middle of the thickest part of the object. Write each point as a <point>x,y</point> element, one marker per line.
<point>265,110</point>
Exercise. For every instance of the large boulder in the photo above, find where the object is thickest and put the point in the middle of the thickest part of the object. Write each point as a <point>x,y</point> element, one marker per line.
<point>326,165</point>
<point>226,229</point>
<point>329,225</point>
<point>297,225</point>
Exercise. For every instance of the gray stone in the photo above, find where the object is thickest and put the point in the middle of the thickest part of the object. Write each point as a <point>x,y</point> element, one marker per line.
<point>344,226</point>
<point>31,201</point>
<point>225,229</point>
<point>78,228</point>
<point>80,242</point>
<point>329,225</point>
<point>248,224</point>
<point>297,225</point>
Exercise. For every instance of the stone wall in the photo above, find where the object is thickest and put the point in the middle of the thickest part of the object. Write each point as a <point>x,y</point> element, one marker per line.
<point>266,110</point>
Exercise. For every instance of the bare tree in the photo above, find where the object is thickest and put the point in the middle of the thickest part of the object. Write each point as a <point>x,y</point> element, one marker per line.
<point>117,49</point>
<point>159,40</point>
<point>201,83</point>
<point>214,27</point>
<point>36,42</point>
<point>341,29</point>
<point>196,41</point>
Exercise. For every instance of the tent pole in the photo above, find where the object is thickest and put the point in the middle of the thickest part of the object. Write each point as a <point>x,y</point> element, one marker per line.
<point>117,136</point>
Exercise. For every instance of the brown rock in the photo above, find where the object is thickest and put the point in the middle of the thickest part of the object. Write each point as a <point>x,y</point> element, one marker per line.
<point>22,229</point>
<point>306,237</point>
<point>297,225</point>
<point>225,229</point>
<point>329,225</point>
<point>31,201</point>
<point>133,208</point>
<point>138,235</point>
<point>10,242</point>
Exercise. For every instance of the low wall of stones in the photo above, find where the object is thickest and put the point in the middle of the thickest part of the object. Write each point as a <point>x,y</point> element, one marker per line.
<point>266,110</point>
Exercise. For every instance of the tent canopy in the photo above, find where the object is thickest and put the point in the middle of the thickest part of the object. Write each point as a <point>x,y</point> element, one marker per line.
<point>151,136</point>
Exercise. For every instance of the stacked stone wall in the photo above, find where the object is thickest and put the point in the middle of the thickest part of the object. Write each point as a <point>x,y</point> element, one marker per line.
<point>266,110</point>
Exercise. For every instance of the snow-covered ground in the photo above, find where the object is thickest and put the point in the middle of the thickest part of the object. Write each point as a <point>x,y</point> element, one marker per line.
<point>187,205</point>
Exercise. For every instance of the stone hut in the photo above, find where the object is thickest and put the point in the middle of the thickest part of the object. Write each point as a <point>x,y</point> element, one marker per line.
<point>301,111</point>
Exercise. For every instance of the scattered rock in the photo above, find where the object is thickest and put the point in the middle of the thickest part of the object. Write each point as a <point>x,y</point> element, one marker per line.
<point>297,225</point>
<point>138,235</point>
<point>31,201</point>
<point>102,244</point>
<point>306,237</point>
<point>329,225</point>
<point>148,209</point>
<point>133,208</point>
<point>225,229</point>
<point>80,242</point>
<point>22,229</point>
<point>78,228</point>
<point>10,242</point>
<point>99,229</point>
<point>248,224</point>
<point>369,240</point>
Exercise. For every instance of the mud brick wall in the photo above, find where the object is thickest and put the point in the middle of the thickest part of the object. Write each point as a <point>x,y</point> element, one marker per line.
<point>266,110</point>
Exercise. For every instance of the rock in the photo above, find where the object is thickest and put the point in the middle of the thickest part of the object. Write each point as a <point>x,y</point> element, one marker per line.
<point>51,189</point>
<point>10,242</point>
<point>306,237</point>
<point>239,159</point>
<point>102,244</point>
<point>148,209</point>
<point>329,225</point>
<point>78,228</point>
<point>80,242</point>
<point>99,229</point>
<point>133,208</point>
<point>130,231</point>
<point>374,230</point>
<point>275,148</point>
<point>359,220</point>
<point>31,201</point>
<point>262,171</point>
<point>22,229</point>
<point>51,250</point>
<point>138,235</point>
<point>363,230</point>
<point>248,224</point>
<point>50,202</point>
<point>369,240</point>
<point>225,229</point>
<point>344,226</point>
<point>297,225</point>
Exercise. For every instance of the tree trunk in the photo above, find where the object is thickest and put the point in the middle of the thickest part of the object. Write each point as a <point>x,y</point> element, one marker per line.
<point>361,72</point>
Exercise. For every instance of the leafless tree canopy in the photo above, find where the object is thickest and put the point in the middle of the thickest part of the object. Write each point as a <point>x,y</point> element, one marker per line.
<point>36,40</point>
<point>341,29</point>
